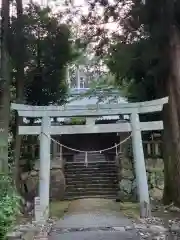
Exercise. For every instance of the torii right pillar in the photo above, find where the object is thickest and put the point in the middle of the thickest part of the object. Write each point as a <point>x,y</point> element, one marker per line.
<point>140,168</point>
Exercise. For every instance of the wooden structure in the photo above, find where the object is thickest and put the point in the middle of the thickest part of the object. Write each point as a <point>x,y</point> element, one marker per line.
<point>91,112</point>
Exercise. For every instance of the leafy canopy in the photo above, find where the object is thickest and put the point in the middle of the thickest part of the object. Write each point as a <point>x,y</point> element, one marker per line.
<point>48,50</point>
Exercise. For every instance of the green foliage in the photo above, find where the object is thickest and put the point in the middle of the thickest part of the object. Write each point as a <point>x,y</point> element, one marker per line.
<point>77,121</point>
<point>9,205</point>
<point>139,71</point>
<point>47,51</point>
<point>137,52</point>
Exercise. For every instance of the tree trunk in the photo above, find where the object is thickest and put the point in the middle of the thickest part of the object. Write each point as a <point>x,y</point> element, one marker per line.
<point>167,157</point>
<point>4,88</point>
<point>172,124</point>
<point>19,89</point>
<point>175,137</point>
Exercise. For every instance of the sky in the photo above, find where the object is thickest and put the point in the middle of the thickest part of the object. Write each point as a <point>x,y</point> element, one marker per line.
<point>56,5</point>
<point>55,2</point>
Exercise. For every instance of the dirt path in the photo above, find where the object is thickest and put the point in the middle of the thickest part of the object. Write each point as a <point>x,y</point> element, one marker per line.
<point>93,205</point>
<point>89,219</point>
<point>91,213</point>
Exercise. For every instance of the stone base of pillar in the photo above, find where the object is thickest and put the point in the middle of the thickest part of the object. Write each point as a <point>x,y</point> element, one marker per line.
<point>145,210</point>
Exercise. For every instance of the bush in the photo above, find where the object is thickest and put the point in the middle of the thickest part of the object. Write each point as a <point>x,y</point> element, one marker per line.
<point>9,205</point>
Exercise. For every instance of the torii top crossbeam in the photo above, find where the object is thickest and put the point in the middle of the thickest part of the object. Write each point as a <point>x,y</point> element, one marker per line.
<point>89,110</point>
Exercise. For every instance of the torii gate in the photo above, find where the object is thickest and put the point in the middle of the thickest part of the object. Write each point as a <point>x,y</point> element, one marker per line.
<point>91,112</point>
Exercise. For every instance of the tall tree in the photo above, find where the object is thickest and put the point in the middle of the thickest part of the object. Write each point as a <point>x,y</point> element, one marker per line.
<point>153,65</point>
<point>49,51</point>
<point>4,87</point>
<point>40,49</point>
<point>20,51</point>
<point>150,40</point>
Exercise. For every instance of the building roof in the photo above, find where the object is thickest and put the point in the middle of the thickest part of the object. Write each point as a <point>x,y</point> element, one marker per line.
<point>78,97</point>
<point>75,99</point>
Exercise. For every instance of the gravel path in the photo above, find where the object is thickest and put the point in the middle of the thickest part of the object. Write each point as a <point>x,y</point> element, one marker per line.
<point>93,219</point>
<point>91,213</point>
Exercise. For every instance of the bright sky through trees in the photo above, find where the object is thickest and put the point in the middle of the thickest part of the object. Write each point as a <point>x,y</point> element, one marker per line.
<point>57,5</point>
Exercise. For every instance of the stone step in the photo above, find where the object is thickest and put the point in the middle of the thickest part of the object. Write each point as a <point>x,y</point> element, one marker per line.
<point>90,175</point>
<point>91,189</point>
<point>90,163</point>
<point>83,165</point>
<point>93,168</point>
<point>94,190</point>
<point>90,156</point>
<point>90,171</point>
<point>90,185</point>
<point>86,186</point>
<point>94,155</point>
<point>109,196</point>
<point>92,181</point>
<point>99,164</point>
<point>96,163</point>
<point>90,194</point>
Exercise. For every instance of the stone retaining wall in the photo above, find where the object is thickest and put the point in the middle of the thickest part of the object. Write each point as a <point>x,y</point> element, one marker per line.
<point>57,182</point>
<point>127,181</point>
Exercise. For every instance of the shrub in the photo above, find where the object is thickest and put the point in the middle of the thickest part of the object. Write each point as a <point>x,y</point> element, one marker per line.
<point>9,205</point>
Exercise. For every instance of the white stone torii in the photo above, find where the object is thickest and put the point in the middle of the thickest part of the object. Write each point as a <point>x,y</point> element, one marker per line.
<point>91,112</point>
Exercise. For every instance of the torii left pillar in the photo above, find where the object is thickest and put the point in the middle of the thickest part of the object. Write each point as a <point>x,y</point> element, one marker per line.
<point>44,176</point>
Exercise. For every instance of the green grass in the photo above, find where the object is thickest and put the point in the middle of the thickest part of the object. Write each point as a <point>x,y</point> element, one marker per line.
<point>130,210</point>
<point>58,208</point>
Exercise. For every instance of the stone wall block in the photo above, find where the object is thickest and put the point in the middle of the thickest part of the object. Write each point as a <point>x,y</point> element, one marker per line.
<point>155,175</point>
<point>127,174</point>
<point>57,184</point>
<point>127,163</point>
<point>125,185</point>
<point>153,179</point>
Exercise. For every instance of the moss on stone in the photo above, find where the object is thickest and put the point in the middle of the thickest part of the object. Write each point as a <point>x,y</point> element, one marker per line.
<point>58,208</point>
<point>130,209</point>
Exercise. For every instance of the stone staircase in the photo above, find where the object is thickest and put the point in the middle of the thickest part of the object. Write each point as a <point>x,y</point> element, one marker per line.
<point>98,179</point>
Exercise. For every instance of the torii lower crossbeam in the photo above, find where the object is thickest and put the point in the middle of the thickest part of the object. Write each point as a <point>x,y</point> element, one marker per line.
<point>91,128</point>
